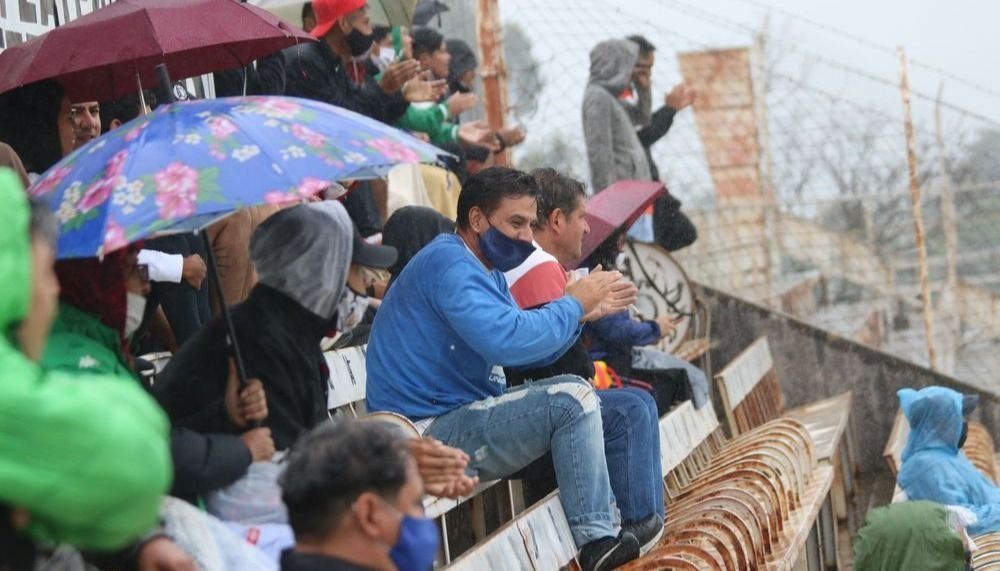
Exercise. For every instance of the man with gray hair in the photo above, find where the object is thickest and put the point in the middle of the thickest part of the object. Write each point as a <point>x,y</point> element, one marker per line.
<point>354,499</point>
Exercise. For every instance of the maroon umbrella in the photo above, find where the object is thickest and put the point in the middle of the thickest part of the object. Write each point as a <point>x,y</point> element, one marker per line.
<point>99,56</point>
<point>617,206</point>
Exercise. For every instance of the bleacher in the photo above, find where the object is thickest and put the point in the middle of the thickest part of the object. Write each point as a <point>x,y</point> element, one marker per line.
<point>761,500</point>
<point>981,452</point>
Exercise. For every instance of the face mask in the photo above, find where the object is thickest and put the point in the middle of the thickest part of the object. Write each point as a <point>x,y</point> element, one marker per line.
<point>358,43</point>
<point>417,544</point>
<point>135,307</point>
<point>965,434</point>
<point>386,56</point>
<point>620,260</point>
<point>504,253</point>
<point>350,310</point>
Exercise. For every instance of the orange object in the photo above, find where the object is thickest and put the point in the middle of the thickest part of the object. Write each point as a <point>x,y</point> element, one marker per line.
<point>605,377</point>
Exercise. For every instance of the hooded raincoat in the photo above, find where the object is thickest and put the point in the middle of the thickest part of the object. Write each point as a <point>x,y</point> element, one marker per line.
<point>88,461</point>
<point>909,535</point>
<point>302,255</point>
<point>613,147</point>
<point>933,467</point>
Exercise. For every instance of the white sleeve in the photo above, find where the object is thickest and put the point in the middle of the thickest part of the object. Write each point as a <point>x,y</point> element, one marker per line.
<point>163,267</point>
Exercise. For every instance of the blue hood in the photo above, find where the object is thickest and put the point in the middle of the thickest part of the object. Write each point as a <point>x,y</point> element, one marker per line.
<point>935,417</point>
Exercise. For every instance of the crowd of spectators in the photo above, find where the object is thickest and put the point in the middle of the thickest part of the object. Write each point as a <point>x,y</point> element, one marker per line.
<point>476,333</point>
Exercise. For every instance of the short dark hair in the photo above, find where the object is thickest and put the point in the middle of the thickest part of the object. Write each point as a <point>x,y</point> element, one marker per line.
<point>334,464</point>
<point>380,32</point>
<point>556,192</point>
<point>426,41</point>
<point>125,108</point>
<point>646,47</point>
<point>307,11</point>
<point>488,187</point>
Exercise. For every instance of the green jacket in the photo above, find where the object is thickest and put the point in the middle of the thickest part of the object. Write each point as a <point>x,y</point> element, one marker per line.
<point>430,120</point>
<point>88,460</point>
<point>908,535</point>
<point>80,342</point>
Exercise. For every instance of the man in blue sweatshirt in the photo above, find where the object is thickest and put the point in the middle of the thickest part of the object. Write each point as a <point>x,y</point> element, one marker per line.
<point>448,327</point>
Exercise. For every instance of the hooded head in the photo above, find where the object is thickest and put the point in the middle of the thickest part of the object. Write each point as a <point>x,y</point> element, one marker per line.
<point>411,228</point>
<point>611,64</point>
<point>304,252</point>
<point>936,416</point>
<point>15,257</point>
<point>97,286</point>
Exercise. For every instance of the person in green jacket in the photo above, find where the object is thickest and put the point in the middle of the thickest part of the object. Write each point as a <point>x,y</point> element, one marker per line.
<point>84,464</point>
<point>910,535</point>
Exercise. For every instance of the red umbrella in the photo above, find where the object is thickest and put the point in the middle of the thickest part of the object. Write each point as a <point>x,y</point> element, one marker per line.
<point>617,206</point>
<point>99,56</point>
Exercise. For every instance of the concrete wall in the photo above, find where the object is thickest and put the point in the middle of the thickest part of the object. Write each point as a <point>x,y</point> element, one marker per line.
<point>812,364</point>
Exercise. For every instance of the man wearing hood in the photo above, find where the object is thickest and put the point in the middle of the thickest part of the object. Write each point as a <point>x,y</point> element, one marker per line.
<point>934,467</point>
<point>613,147</point>
<point>302,255</point>
<point>68,449</point>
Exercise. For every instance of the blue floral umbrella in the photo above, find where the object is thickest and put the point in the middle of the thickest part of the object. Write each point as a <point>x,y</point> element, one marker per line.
<point>189,163</point>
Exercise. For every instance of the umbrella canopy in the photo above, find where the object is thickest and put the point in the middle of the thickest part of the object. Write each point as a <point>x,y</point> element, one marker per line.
<point>388,12</point>
<point>97,57</point>
<point>189,163</point>
<point>617,206</point>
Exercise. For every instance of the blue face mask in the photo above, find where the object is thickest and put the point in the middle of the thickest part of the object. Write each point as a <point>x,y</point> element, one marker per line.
<point>503,252</point>
<point>417,544</point>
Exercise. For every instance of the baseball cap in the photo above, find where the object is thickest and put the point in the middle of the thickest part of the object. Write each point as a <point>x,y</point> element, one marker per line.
<point>371,255</point>
<point>328,12</point>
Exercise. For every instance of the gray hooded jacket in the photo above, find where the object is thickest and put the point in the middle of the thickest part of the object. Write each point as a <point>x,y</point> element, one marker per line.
<point>613,148</point>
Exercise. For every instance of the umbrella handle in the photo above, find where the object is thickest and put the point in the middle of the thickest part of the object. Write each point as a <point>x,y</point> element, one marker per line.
<point>231,342</point>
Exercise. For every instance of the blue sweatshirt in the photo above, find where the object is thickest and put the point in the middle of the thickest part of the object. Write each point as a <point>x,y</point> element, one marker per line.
<point>445,324</point>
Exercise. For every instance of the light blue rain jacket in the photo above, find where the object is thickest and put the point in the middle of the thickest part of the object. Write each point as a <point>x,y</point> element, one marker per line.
<point>933,469</point>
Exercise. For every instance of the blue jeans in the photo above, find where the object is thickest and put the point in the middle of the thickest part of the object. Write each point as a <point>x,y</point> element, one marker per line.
<point>632,448</point>
<point>503,434</point>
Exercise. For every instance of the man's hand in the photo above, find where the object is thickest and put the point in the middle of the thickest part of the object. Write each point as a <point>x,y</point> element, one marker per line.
<point>459,103</point>
<point>397,74</point>
<point>424,88</point>
<point>442,468</point>
<point>667,325</point>
<point>162,554</point>
<point>602,293</point>
<point>194,271</point>
<point>477,133</point>
<point>462,486</point>
<point>643,77</point>
<point>436,462</point>
<point>681,96</point>
<point>260,443</point>
<point>512,135</point>
<point>248,405</point>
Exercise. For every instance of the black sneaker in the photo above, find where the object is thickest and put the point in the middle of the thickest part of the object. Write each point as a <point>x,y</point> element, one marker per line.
<point>609,552</point>
<point>648,531</point>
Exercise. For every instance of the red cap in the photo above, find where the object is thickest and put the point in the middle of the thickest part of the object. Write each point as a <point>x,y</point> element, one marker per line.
<point>328,12</point>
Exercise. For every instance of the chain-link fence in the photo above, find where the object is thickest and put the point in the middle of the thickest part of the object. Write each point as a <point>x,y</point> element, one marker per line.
<point>793,165</point>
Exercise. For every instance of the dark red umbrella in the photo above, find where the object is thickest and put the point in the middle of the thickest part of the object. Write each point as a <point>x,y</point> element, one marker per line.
<point>617,206</point>
<point>98,56</point>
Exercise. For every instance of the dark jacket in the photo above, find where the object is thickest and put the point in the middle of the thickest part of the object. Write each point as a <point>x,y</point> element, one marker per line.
<point>617,334</point>
<point>313,71</point>
<point>279,340</point>
<point>202,462</point>
<point>267,77</point>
